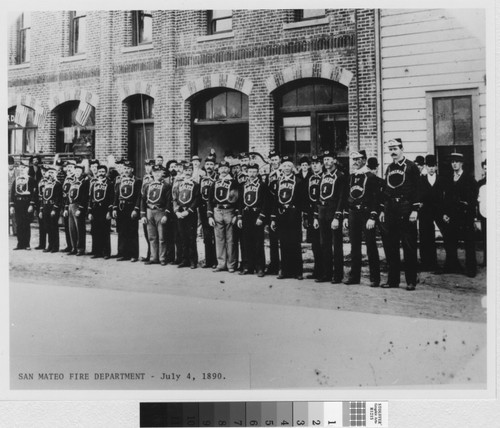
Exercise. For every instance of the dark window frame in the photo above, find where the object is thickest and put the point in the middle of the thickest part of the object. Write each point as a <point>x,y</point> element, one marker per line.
<point>138,17</point>
<point>76,45</point>
<point>212,22</point>
<point>23,38</point>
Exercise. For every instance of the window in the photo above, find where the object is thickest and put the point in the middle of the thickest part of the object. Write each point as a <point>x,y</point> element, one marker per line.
<point>225,105</point>
<point>219,21</point>
<point>23,39</point>
<point>306,14</point>
<point>70,134</point>
<point>142,27</point>
<point>78,32</point>
<point>22,137</point>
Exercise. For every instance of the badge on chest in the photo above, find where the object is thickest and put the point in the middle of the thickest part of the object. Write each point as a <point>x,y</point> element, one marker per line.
<point>100,189</point>
<point>48,190</point>
<point>251,193</point>
<point>314,188</point>
<point>358,185</point>
<point>286,190</point>
<point>222,189</point>
<point>327,186</point>
<point>186,192</point>
<point>127,187</point>
<point>396,176</point>
<point>22,186</point>
<point>154,192</point>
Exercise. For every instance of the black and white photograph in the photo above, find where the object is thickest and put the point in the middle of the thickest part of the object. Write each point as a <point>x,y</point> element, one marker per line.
<point>256,199</point>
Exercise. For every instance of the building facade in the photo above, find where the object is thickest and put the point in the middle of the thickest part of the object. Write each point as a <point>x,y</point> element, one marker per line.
<point>179,82</point>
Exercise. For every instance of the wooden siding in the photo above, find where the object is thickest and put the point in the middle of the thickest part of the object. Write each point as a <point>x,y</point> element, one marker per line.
<point>425,51</point>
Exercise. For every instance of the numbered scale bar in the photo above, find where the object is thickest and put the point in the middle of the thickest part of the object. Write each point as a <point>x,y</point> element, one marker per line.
<point>265,414</point>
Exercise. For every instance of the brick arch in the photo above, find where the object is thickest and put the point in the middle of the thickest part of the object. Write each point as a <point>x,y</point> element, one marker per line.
<point>306,70</point>
<point>73,94</point>
<point>137,87</point>
<point>219,80</point>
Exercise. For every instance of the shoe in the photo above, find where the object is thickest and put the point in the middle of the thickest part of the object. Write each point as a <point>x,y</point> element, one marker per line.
<point>183,265</point>
<point>163,263</point>
<point>322,279</point>
<point>231,270</point>
<point>106,257</point>
<point>39,248</point>
<point>122,259</point>
<point>311,276</point>
<point>351,281</point>
<point>410,287</point>
<point>150,262</point>
<point>144,259</point>
<point>218,269</point>
<point>95,256</point>
<point>17,248</point>
<point>281,276</point>
<point>193,266</point>
<point>133,259</point>
<point>387,285</point>
<point>374,284</point>
<point>336,281</point>
<point>244,272</point>
<point>260,274</point>
<point>66,250</point>
<point>47,250</point>
<point>72,253</point>
<point>80,253</point>
<point>54,251</point>
<point>300,277</point>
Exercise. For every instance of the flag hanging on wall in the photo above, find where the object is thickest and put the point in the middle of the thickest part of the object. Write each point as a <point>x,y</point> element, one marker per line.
<point>40,116</point>
<point>21,116</point>
<point>83,113</point>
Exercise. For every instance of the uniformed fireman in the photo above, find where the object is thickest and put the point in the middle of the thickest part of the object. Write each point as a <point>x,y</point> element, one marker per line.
<point>400,213</point>
<point>328,218</point>
<point>185,204</point>
<point>271,182</point>
<point>482,208</point>
<point>42,231</point>
<point>174,249</point>
<point>241,177</point>
<point>52,200</point>
<point>251,219</point>
<point>459,209</point>
<point>431,196</point>
<point>23,194</point>
<point>101,197</point>
<point>146,179</point>
<point>222,203</point>
<point>68,180</point>
<point>312,184</point>
<point>93,165</point>
<point>286,220</point>
<point>362,213</point>
<point>155,208</point>
<point>126,208</point>
<point>75,210</point>
<point>206,184</point>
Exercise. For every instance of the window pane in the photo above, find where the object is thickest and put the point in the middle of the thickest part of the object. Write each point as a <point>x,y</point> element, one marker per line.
<point>26,20</point>
<point>146,28</point>
<point>30,140</point>
<point>290,98</point>
<point>234,104</point>
<point>27,45</point>
<point>462,118</point>
<point>313,13</point>
<point>221,13</point>
<point>82,40</point>
<point>303,148</point>
<point>219,106</point>
<point>17,141</point>
<point>304,134</point>
<point>305,95</point>
<point>339,94</point>
<point>297,121</point>
<point>223,25</point>
<point>322,94</point>
<point>244,106</point>
<point>443,124</point>
<point>208,113</point>
<point>289,134</point>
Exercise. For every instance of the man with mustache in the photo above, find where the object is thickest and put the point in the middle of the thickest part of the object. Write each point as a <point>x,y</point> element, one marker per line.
<point>206,184</point>
<point>400,213</point>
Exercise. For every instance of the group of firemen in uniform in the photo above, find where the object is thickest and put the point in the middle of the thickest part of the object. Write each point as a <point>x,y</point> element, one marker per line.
<point>234,204</point>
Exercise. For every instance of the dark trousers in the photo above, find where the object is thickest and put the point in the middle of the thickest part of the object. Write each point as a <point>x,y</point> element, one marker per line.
<point>289,230</point>
<point>174,249</point>
<point>146,236</point>
<point>66,233</point>
<point>52,226</point>
<point>357,228</point>
<point>77,230</point>
<point>188,228</point>
<point>483,236</point>
<point>208,238</point>
<point>332,248</point>
<point>314,237</point>
<point>253,242</point>
<point>274,248</point>
<point>401,231</point>
<point>428,253</point>
<point>42,236</point>
<point>461,227</point>
<point>128,232</point>
<point>23,220</point>
<point>101,228</point>
<point>240,248</point>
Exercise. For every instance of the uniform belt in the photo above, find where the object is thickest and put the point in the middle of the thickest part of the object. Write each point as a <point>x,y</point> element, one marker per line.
<point>251,209</point>
<point>397,198</point>
<point>357,207</point>
<point>224,206</point>
<point>155,207</point>
<point>287,206</point>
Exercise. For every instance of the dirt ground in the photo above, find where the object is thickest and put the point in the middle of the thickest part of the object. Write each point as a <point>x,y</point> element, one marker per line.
<point>446,296</point>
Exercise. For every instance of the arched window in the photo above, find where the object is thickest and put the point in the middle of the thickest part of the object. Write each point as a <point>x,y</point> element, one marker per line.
<point>75,123</point>
<point>312,116</point>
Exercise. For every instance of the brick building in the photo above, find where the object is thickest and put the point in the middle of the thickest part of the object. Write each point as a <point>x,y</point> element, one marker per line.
<point>179,82</point>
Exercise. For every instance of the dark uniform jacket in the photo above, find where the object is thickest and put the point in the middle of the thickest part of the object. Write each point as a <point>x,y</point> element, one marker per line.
<point>224,194</point>
<point>66,184</point>
<point>290,193</point>
<point>206,184</point>
<point>253,197</point>
<point>332,195</point>
<point>187,196</point>
<point>23,189</point>
<point>402,184</point>
<point>52,194</point>
<point>363,193</point>
<point>156,195</point>
<point>460,197</point>
<point>127,192</point>
<point>101,195</point>
<point>78,193</point>
<point>312,184</point>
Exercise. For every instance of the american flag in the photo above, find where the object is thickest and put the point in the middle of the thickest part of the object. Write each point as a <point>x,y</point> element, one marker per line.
<point>40,116</point>
<point>21,116</point>
<point>83,113</point>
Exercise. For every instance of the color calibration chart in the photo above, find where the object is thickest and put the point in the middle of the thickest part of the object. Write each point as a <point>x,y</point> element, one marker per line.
<point>265,414</point>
